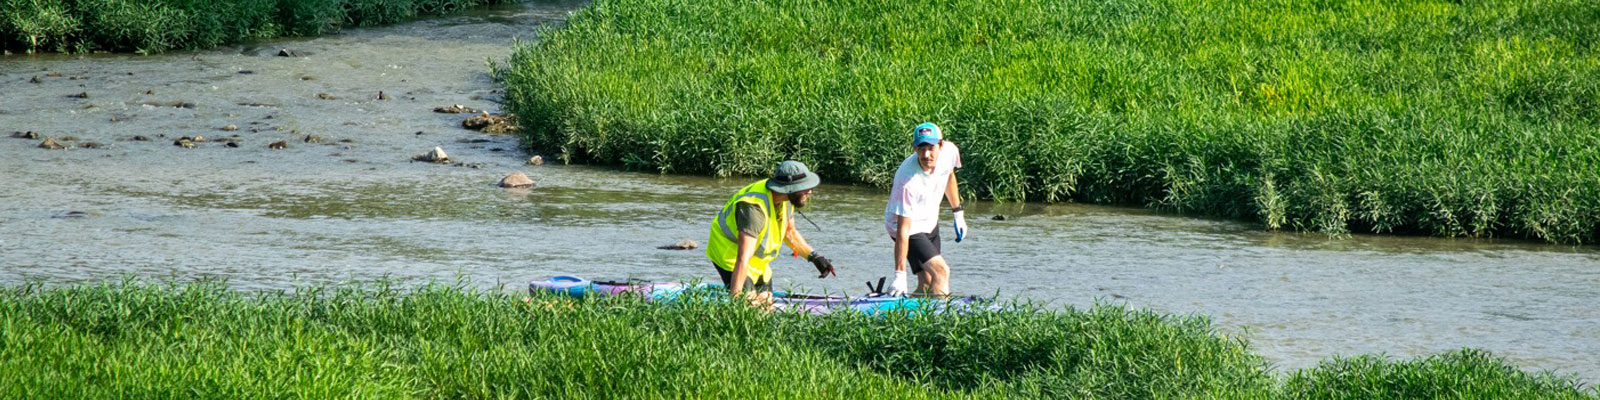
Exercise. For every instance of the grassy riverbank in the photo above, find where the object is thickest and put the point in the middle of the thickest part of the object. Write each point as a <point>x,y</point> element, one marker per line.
<point>154,26</point>
<point>1417,116</point>
<point>204,341</point>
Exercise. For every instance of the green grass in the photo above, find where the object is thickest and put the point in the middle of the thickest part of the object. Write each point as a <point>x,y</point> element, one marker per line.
<point>156,26</point>
<point>203,340</point>
<point>1447,118</point>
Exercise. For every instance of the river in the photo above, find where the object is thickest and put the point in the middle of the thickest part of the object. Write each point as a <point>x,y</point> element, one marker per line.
<point>354,207</point>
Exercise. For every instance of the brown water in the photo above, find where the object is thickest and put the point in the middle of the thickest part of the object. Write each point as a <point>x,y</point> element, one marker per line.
<point>319,213</point>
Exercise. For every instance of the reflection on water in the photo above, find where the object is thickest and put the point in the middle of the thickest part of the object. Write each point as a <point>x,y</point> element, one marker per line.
<point>359,210</point>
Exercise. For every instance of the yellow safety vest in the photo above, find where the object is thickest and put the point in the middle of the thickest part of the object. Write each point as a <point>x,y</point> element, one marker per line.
<point>723,246</point>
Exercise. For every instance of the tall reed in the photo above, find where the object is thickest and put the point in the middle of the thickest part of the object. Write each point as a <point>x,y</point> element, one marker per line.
<point>1418,116</point>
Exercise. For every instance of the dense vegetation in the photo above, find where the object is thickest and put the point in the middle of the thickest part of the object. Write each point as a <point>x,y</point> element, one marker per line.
<point>204,341</point>
<point>154,26</point>
<point>1450,118</point>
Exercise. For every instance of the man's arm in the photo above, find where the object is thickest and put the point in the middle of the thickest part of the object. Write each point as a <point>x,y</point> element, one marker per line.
<point>902,242</point>
<point>952,192</point>
<point>791,237</point>
<point>741,264</point>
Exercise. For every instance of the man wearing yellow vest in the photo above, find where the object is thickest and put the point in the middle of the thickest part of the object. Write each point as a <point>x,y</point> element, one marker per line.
<point>755,223</point>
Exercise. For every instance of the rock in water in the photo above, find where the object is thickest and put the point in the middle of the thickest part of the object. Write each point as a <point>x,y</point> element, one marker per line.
<point>51,144</point>
<point>435,156</point>
<point>516,180</point>
<point>684,244</point>
<point>495,124</point>
<point>536,160</point>
<point>278,145</point>
<point>454,109</point>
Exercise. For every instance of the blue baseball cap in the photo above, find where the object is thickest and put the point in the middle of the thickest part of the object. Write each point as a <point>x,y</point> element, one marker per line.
<point>927,133</point>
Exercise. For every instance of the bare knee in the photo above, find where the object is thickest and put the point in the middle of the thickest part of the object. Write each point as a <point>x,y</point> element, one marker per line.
<point>937,267</point>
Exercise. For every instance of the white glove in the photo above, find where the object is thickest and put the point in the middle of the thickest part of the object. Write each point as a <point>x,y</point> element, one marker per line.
<point>898,287</point>
<point>961,225</point>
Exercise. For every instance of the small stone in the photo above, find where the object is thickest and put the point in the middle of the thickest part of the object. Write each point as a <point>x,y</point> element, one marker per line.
<point>285,53</point>
<point>491,124</point>
<point>138,138</point>
<point>382,96</point>
<point>454,109</point>
<point>278,145</point>
<point>198,138</point>
<point>54,74</point>
<point>500,128</point>
<point>536,160</point>
<point>313,139</point>
<point>232,144</point>
<point>79,95</point>
<point>230,127</point>
<point>184,142</point>
<point>246,72</point>
<point>999,217</point>
<point>51,144</point>
<point>36,79</point>
<point>71,214</point>
<point>149,92</point>
<point>68,138</point>
<point>30,135</point>
<point>435,156</point>
<point>91,145</point>
<point>684,244</point>
<point>516,180</point>
<point>326,96</point>
<point>308,78</point>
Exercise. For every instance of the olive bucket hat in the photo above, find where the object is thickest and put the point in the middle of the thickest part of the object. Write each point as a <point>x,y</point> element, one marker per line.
<point>792,176</point>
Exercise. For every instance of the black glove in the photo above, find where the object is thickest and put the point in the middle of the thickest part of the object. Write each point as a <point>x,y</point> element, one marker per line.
<point>824,266</point>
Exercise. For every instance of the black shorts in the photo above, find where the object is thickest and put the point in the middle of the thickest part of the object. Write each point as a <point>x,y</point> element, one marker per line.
<point>921,248</point>
<point>727,280</point>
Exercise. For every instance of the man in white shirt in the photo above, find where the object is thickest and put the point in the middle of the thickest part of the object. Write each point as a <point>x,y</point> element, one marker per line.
<point>912,215</point>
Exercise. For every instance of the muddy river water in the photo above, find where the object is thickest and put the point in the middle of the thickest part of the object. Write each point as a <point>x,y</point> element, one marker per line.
<point>354,207</point>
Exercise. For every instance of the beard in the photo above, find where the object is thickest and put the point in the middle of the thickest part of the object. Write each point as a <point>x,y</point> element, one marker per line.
<point>799,201</point>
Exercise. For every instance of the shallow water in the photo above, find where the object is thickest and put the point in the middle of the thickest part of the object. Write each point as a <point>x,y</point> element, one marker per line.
<point>360,210</point>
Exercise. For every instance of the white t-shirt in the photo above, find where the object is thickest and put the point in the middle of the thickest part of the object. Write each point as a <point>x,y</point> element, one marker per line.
<point>916,194</point>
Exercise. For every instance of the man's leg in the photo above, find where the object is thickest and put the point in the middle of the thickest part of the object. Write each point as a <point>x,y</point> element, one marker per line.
<point>938,280</point>
<point>924,281</point>
<point>934,279</point>
<point>919,251</point>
